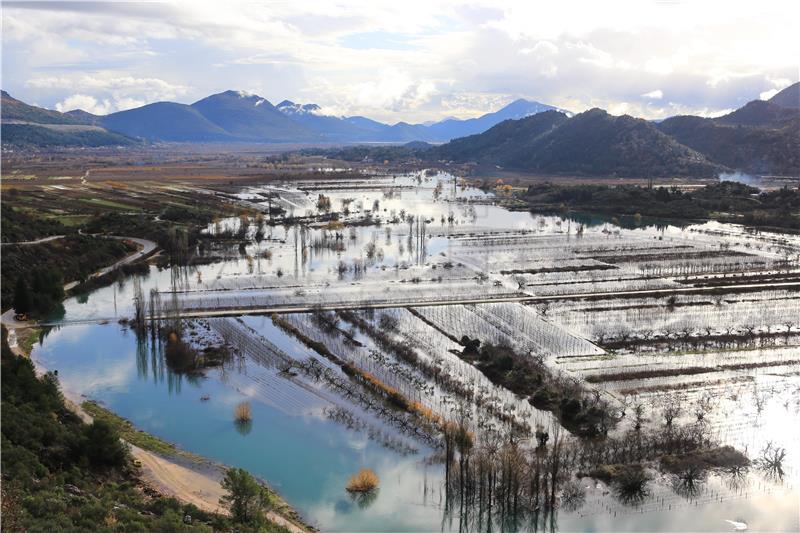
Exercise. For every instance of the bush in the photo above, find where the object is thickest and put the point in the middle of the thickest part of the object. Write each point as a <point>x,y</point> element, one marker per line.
<point>243,413</point>
<point>364,481</point>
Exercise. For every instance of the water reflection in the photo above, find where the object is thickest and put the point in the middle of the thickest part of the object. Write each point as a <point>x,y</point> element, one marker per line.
<point>307,454</point>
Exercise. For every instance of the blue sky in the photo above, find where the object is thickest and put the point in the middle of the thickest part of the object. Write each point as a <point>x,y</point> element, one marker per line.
<point>411,60</point>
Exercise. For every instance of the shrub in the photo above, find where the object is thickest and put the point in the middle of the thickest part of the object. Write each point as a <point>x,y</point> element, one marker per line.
<point>364,481</point>
<point>243,412</point>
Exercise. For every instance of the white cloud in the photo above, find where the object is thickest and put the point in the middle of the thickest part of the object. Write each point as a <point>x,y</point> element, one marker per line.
<point>85,102</point>
<point>658,94</point>
<point>766,95</point>
<point>704,55</point>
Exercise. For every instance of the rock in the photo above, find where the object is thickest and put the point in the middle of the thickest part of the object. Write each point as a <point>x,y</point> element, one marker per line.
<point>72,489</point>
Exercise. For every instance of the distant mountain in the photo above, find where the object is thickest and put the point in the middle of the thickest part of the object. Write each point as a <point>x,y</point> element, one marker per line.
<point>166,121</point>
<point>236,116</point>
<point>25,125</point>
<point>364,129</point>
<point>249,117</point>
<point>789,97</point>
<point>503,144</point>
<point>590,143</point>
<point>290,108</point>
<point>331,128</point>
<point>454,128</point>
<point>84,117</point>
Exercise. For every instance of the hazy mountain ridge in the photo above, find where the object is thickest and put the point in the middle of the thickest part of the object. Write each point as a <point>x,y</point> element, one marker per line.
<point>234,116</point>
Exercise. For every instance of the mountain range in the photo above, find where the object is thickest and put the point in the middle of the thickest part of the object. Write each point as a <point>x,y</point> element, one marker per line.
<point>762,137</point>
<point>236,116</point>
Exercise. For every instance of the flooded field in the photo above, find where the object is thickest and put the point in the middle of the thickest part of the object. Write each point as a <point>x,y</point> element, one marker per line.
<point>487,364</point>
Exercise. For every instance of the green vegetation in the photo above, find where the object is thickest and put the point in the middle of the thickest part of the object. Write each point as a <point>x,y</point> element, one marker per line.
<point>14,109</point>
<point>246,498</point>
<point>45,267</point>
<point>728,201</point>
<point>40,295</point>
<point>138,438</point>
<point>60,474</point>
<point>175,239</point>
<point>42,136</point>
<point>19,226</point>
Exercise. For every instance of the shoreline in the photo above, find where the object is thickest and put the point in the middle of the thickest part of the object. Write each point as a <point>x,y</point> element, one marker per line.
<point>173,478</point>
<point>162,474</point>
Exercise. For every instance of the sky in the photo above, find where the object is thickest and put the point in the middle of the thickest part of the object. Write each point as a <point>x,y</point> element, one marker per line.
<point>405,60</point>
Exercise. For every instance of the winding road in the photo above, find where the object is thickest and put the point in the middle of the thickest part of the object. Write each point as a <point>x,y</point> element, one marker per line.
<point>146,248</point>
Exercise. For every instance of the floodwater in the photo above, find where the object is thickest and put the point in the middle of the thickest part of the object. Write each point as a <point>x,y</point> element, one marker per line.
<point>307,456</point>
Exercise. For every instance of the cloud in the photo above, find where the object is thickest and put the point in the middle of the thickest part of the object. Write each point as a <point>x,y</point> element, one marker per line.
<point>85,102</point>
<point>415,60</point>
<point>110,91</point>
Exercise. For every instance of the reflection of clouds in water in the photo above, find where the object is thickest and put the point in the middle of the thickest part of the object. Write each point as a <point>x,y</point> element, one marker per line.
<point>151,419</point>
<point>92,379</point>
<point>357,442</point>
<point>404,484</point>
<point>70,334</point>
<point>112,369</point>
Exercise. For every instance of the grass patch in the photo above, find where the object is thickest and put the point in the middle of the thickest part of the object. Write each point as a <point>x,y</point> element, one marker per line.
<point>139,438</point>
<point>27,337</point>
<point>108,203</point>
<point>71,221</point>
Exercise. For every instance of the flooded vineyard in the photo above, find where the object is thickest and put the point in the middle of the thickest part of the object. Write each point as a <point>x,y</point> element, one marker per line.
<point>495,368</point>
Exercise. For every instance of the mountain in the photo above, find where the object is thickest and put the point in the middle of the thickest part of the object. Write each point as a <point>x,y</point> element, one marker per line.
<point>236,116</point>
<point>351,129</point>
<point>290,108</point>
<point>454,128</point>
<point>24,125</point>
<point>590,143</point>
<point>18,111</point>
<point>789,97</point>
<point>84,117</point>
<point>331,128</point>
<point>772,148</point>
<point>502,144</point>
<point>166,121</point>
<point>249,117</point>
<point>760,113</point>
